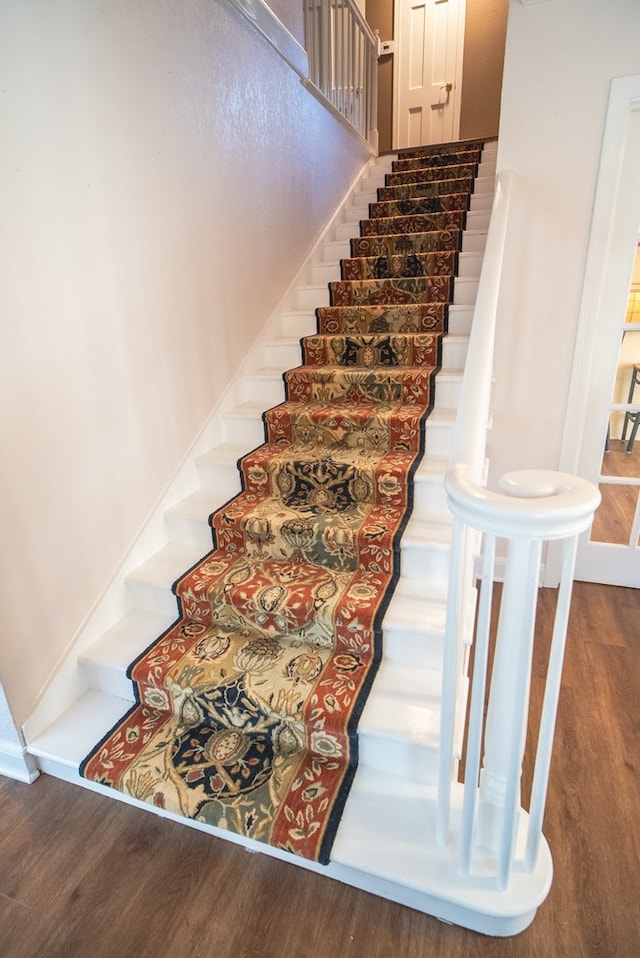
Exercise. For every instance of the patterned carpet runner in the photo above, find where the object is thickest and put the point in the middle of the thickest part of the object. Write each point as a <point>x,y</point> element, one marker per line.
<point>247,708</point>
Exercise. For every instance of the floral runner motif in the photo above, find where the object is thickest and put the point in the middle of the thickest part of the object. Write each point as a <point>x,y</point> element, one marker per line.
<point>247,708</point>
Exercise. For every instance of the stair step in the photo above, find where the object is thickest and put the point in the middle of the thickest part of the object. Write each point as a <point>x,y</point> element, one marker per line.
<point>105,662</point>
<point>385,843</point>
<point>285,353</point>
<point>188,520</point>
<point>414,624</point>
<point>474,240</point>
<point>465,290</point>
<point>149,585</point>
<point>426,549</point>
<point>400,724</point>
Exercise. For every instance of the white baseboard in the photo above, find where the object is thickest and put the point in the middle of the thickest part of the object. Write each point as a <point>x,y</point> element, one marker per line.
<point>15,762</point>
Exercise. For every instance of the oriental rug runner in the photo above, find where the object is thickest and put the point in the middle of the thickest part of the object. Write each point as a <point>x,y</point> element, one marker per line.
<point>247,708</point>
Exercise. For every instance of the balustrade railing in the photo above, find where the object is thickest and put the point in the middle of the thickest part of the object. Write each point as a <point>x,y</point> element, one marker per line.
<point>343,56</point>
<point>532,508</point>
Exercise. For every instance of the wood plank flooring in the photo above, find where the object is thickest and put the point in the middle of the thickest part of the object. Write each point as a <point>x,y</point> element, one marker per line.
<point>82,875</point>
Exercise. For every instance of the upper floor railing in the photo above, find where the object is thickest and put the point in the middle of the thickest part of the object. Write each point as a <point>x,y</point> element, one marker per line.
<point>532,508</point>
<point>343,58</point>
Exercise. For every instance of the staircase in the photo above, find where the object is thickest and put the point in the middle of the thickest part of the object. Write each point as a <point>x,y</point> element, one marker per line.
<point>385,843</point>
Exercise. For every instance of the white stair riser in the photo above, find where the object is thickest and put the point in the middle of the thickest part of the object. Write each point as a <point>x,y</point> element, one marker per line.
<point>298,324</point>
<point>413,648</point>
<point>430,497</point>
<point>448,391</point>
<point>464,291</point>
<point>286,353</point>
<point>454,352</point>
<point>192,532</point>
<point>219,476</point>
<point>109,680</point>
<point>266,391</point>
<point>474,241</point>
<point>478,220</point>
<point>333,252</point>
<point>309,297</point>
<point>425,561</point>
<point>247,431</point>
<point>470,264</point>
<point>402,759</point>
<point>460,320</point>
<point>325,273</point>
<point>152,597</point>
<point>481,201</point>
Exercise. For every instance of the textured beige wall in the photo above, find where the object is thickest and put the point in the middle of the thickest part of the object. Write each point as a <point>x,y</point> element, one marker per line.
<point>163,174</point>
<point>484,40</point>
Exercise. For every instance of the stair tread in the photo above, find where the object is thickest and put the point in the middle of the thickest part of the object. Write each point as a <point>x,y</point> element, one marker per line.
<point>76,731</point>
<point>197,506</point>
<point>404,703</point>
<point>168,564</point>
<point>426,529</point>
<point>385,842</point>
<point>120,645</point>
<point>418,606</point>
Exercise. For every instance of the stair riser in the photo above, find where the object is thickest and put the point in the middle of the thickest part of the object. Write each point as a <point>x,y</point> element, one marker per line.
<point>460,320</point>
<point>248,431</point>
<point>192,532</point>
<point>454,352</point>
<point>430,498</point>
<point>413,648</point>
<point>152,597</point>
<point>465,291</point>
<point>308,297</point>
<point>303,323</point>
<point>267,391</point>
<point>448,391</point>
<point>111,681</point>
<point>287,354</point>
<point>298,324</point>
<point>423,561</point>
<point>405,760</point>
<point>468,268</point>
<point>219,476</point>
<point>333,252</point>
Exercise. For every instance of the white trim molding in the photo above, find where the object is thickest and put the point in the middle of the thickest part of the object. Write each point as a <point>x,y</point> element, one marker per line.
<point>15,762</point>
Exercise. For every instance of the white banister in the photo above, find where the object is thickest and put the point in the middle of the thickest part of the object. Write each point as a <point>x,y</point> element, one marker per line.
<point>531,508</point>
<point>343,56</point>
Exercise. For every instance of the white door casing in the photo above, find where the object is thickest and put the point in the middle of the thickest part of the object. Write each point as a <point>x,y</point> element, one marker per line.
<point>427,71</point>
<point>609,267</point>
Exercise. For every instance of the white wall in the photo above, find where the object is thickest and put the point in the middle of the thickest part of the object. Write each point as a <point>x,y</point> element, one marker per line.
<point>163,174</point>
<point>560,57</point>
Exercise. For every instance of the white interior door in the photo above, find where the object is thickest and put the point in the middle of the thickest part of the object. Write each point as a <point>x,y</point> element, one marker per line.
<point>428,71</point>
<point>607,348</point>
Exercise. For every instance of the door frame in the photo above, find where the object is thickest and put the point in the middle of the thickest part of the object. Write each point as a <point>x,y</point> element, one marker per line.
<point>457,81</point>
<point>608,270</point>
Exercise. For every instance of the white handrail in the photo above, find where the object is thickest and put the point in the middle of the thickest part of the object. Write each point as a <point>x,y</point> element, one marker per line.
<point>343,57</point>
<point>532,507</point>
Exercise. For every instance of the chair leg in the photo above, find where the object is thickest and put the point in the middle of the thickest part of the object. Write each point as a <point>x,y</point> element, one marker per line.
<point>632,437</point>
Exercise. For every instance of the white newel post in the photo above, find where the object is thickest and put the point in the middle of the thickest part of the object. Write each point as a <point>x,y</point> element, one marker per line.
<point>506,724</point>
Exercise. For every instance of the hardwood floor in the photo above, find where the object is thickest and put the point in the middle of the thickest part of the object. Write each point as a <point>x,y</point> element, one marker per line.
<point>82,875</point>
<point>614,519</point>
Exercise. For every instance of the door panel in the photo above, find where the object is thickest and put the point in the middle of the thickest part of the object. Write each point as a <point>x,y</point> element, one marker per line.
<point>430,35</point>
